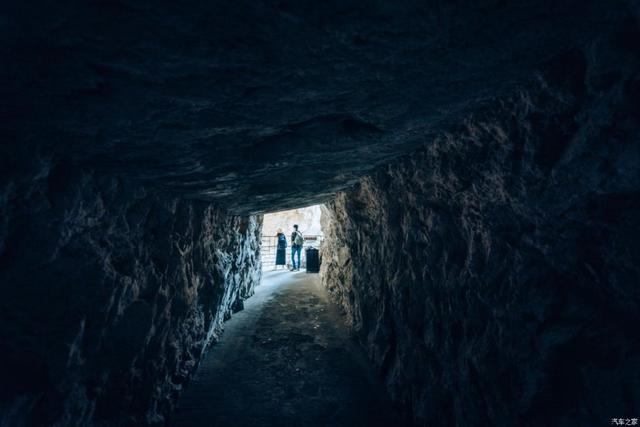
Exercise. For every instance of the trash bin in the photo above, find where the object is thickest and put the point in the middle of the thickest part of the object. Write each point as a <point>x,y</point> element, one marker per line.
<point>313,260</point>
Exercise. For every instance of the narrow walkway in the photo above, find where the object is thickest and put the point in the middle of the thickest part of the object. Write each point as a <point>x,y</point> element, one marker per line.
<point>285,360</point>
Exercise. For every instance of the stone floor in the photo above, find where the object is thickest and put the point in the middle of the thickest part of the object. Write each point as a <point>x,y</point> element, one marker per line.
<point>285,360</point>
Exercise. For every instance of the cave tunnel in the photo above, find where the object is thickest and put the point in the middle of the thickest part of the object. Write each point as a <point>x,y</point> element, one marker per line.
<point>478,168</point>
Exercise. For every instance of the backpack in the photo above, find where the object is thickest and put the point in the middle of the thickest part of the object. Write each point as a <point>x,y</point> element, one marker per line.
<point>299,240</point>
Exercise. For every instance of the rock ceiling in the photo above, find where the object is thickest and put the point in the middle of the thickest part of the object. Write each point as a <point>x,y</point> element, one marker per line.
<point>264,105</point>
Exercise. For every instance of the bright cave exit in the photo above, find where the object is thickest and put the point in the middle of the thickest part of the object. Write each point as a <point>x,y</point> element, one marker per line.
<point>292,240</point>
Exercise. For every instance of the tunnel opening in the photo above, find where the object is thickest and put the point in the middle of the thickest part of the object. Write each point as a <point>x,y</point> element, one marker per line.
<point>478,164</point>
<point>288,354</point>
<point>278,240</point>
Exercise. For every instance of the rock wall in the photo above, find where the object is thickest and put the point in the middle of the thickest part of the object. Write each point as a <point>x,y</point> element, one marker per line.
<point>229,101</point>
<point>493,275</point>
<point>110,295</point>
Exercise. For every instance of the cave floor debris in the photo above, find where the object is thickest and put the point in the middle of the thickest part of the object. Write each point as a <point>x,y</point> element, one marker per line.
<point>287,359</point>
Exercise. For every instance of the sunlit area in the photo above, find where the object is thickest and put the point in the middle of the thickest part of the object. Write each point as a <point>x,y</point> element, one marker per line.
<point>287,234</point>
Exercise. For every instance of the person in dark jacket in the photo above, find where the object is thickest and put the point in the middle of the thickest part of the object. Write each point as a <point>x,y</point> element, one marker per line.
<point>281,250</point>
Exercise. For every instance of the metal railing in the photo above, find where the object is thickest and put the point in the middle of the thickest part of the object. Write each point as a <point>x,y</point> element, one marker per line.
<point>269,246</point>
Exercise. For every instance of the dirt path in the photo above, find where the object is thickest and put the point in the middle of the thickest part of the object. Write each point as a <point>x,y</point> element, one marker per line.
<point>286,360</point>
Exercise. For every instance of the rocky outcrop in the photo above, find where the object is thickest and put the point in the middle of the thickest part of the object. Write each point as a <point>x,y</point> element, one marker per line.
<point>110,294</point>
<point>493,275</point>
<point>228,101</point>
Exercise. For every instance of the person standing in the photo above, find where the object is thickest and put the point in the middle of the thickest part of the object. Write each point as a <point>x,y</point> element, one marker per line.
<point>297,240</point>
<point>281,250</point>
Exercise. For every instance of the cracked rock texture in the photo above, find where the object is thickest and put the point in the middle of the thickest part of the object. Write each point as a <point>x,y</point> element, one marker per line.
<point>215,99</point>
<point>110,294</point>
<point>493,275</point>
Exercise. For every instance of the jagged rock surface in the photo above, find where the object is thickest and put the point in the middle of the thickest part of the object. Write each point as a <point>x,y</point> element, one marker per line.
<point>493,276</point>
<point>221,100</point>
<point>116,116</point>
<point>110,294</point>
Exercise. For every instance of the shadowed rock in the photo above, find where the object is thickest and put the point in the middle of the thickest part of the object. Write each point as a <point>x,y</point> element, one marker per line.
<point>485,160</point>
<point>205,99</point>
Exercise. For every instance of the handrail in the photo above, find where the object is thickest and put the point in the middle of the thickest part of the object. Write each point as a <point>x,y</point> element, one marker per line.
<point>269,245</point>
